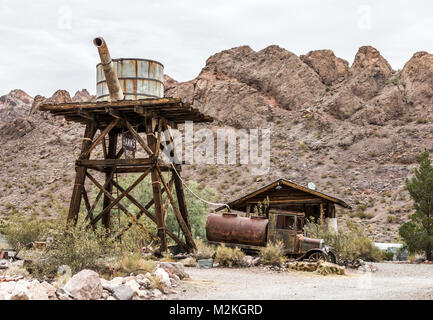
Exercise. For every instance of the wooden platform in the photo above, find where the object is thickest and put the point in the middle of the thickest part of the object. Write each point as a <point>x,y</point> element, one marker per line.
<point>135,111</point>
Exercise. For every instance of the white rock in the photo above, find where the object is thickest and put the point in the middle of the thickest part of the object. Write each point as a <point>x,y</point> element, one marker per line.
<point>142,294</point>
<point>85,285</point>
<point>164,276</point>
<point>174,280</point>
<point>117,281</point>
<point>36,291</point>
<point>49,289</point>
<point>145,283</point>
<point>133,285</point>
<point>7,287</point>
<point>156,293</point>
<point>176,268</point>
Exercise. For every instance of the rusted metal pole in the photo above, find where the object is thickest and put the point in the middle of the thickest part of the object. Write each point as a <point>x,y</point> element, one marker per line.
<point>113,83</point>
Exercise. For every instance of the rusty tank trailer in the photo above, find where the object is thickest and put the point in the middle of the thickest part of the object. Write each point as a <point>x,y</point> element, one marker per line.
<point>253,233</point>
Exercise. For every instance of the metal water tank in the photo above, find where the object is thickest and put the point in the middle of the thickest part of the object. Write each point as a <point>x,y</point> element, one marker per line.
<point>139,79</point>
<point>230,228</point>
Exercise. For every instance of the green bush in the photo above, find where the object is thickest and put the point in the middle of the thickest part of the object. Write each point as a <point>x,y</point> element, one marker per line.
<point>272,254</point>
<point>229,257</point>
<point>387,255</point>
<point>20,232</point>
<point>350,243</point>
<point>82,248</point>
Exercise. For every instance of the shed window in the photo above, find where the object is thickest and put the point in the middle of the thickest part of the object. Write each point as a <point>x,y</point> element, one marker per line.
<point>286,222</point>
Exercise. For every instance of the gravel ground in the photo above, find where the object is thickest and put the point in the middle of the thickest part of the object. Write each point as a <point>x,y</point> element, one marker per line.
<point>391,281</point>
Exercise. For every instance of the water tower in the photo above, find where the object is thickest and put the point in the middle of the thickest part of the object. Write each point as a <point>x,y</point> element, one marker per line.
<point>131,105</point>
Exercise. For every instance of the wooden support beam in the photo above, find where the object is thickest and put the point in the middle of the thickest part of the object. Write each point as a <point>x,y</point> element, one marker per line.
<point>144,211</point>
<point>117,162</point>
<point>124,193</point>
<point>108,194</point>
<point>167,201</point>
<point>111,154</point>
<point>104,148</point>
<point>157,194</point>
<point>183,226</point>
<point>86,200</point>
<point>86,114</point>
<point>80,177</point>
<point>86,153</point>
<point>181,198</point>
<point>90,213</point>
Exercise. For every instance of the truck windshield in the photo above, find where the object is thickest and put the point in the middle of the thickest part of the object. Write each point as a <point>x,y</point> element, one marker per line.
<point>286,222</point>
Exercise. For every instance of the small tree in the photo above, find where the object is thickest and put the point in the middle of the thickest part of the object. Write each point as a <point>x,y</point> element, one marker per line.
<point>418,232</point>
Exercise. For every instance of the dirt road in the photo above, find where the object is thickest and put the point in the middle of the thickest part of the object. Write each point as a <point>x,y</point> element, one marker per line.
<point>391,281</point>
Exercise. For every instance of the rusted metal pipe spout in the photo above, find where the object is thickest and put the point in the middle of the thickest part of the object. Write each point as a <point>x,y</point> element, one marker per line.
<point>113,83</point>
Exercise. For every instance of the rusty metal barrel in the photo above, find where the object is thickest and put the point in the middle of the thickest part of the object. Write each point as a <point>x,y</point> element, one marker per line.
<point>139,79</point>
<point>230,228</point>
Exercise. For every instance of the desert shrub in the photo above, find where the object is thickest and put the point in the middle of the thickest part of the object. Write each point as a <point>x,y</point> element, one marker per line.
<point>135,263</point>
<point>156,282</point>
<point>229,257</point>
<point>387,255</point>
<point>21,232</point>
<point>81,248</point>
<point>272,254</point>
<point>350,242</point>
<point>204,251</point>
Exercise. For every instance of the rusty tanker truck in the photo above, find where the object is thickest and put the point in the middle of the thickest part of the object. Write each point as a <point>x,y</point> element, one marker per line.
<point>255,232</point>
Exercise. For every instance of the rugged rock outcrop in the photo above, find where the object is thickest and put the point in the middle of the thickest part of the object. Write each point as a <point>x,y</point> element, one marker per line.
<point>14,104</point>
<point>273,71</point>
<point>417,78</point>
<point>330,68</point>
<point>367,76</point>
<point>83,96</point>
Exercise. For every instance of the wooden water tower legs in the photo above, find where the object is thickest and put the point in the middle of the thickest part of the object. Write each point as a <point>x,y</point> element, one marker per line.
<point>80,176</point>
<point>112,164</point>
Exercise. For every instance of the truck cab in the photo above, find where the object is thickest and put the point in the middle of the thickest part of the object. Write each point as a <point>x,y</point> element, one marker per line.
<point>288,227</point>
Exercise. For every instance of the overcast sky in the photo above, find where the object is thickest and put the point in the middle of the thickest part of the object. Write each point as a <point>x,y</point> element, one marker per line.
<point>47,45</point>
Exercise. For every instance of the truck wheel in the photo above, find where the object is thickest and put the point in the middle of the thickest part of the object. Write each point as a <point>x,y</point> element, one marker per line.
<point>332,258</point>
<point>317,256</point>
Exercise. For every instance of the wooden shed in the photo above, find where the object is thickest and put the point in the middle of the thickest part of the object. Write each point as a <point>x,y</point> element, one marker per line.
<point>285,195</point>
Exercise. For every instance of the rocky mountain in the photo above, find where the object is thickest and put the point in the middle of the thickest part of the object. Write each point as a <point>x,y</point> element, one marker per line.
<point>355,130</point>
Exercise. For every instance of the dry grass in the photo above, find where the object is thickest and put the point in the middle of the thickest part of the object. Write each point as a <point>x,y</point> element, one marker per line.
<point>272,254</point>
<point>204,251</point>
<point>156,283</point>
<point>229,257</point>
<point>136,264</point>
